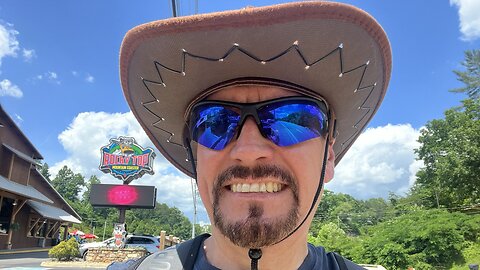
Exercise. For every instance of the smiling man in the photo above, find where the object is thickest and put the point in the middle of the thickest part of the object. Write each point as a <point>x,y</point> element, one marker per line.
<point>258,105</point>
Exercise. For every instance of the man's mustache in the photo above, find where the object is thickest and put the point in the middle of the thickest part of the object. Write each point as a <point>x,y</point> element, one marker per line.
<point>257,172</point>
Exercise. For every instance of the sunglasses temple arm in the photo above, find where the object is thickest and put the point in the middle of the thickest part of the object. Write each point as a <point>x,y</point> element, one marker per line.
<point>188,147</point>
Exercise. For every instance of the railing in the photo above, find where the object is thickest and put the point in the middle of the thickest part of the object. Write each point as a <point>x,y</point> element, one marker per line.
<point>167,241</point>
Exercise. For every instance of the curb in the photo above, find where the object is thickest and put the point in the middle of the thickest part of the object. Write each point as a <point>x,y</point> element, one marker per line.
<point>75,264</point>
<point>16,251</point>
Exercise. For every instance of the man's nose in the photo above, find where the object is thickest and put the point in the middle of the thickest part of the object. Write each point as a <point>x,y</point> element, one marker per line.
<point>251,146</point>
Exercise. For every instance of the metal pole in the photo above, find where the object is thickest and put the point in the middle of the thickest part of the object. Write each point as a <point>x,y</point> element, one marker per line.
<point>194,195</point>
<point>104,228</point>
<point>121,217</point>
<point>174,8</point>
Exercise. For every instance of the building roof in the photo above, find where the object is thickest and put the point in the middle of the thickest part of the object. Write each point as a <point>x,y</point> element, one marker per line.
<point>11,123</point>
<point>23,190</point>
<point>52,212</point>
<point>61,197</point>
<point>21,154</point>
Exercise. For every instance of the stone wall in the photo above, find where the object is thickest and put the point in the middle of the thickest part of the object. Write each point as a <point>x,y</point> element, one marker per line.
<point>109,255</point>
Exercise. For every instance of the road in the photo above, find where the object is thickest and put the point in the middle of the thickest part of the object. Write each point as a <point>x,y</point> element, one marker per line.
<point>28,261</point>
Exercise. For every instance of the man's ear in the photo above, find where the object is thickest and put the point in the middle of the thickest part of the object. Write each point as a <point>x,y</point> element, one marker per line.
<point>330,164</point>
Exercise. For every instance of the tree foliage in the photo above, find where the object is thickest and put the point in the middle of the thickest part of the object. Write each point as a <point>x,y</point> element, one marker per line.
<point>65,250</point>
<point>349,214</point>
<point>471,76</point>
<point>450,151</point>
<point>44,170</point>
<point>69,184</point>
<point>333,238</point>
<point>431,238</point>
<point>162,218</point>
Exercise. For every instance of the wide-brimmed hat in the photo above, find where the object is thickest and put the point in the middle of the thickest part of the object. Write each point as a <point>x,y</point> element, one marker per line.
<point>329,49</point>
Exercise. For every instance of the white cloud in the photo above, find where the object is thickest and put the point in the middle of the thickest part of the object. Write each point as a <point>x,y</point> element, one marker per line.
<point>49,76</point>
<point>74,73</point>
<point>8,42</point>
<point>52,75</point>
<point>469,13</point>
<point>9,89</point>
<point>89,131</point>
<point>28,55</point>
<point>382,160</point>
<point>90,78</point>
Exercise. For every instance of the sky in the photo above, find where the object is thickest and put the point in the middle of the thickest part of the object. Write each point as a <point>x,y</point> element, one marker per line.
<point>59,82</point>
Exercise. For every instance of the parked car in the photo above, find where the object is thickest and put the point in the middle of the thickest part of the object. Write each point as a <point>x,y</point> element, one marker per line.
<point>149,242</point>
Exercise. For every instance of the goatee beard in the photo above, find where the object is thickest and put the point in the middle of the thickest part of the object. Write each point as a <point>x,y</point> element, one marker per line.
<point>255,231</point>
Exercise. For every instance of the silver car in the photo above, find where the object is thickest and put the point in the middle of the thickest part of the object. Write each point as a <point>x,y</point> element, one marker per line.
<point>149,242</point>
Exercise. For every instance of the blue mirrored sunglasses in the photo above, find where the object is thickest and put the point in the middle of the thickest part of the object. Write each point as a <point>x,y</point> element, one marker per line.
<point>284,121</point>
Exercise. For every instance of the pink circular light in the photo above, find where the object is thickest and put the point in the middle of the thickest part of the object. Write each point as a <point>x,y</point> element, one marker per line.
<point>122,195</point>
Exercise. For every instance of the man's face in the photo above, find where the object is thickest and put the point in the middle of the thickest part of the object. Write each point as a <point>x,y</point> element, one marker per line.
<point>290,176</point>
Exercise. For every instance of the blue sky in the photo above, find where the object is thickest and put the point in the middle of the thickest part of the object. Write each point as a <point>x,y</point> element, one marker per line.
<point>59,81</point>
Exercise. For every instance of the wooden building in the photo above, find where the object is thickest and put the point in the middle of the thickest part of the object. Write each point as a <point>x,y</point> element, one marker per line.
<point>32,212</point>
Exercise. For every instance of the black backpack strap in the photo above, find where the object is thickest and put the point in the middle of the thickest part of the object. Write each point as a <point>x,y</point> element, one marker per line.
<point>345,264</point>
<point>188,251</point>
<point>340,261</point>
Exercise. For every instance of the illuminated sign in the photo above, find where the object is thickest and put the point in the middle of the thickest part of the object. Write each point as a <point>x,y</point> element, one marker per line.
<point>125,159</point>
<point>128,196</point>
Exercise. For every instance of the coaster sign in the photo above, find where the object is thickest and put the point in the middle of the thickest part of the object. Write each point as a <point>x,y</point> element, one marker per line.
<point>125,159</point>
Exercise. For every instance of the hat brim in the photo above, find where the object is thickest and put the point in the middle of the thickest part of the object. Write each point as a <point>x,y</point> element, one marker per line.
<point>338,51</point>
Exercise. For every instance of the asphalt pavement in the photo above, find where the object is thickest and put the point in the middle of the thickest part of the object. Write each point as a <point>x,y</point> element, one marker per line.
<point>38,260</point>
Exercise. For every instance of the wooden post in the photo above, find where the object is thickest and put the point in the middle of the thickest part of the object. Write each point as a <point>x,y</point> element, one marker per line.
<point>51,229</point>
<point>57,230</point>
<point>15,211</point>
<point>65,232</point>
<point>40,227</point>
<point>162,240</point>
<point>10,170</point>
<point>170,240</point>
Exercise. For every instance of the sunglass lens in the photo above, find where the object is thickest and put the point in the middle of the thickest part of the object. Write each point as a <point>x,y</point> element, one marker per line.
<point>286,123</point>
<point>213,126</point>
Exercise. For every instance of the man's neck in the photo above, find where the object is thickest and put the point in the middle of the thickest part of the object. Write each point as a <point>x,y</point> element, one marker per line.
<point>288,254</point>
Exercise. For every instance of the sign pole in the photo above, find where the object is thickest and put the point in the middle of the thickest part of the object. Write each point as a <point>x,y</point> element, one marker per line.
<point>121,217</point>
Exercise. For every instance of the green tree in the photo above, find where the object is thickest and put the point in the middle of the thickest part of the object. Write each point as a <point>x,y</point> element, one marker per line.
<point>44,170</point>
<point>93,180</point>
<point>162,218</point>
<point>471,76</point>
<point>333,238</point>
<point>348,213</point>
<point>450,150</point>
<point>433,239</point>
<point>69,184</point>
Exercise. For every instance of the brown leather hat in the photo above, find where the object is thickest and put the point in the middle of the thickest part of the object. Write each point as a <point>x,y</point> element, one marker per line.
<point>335,50</point>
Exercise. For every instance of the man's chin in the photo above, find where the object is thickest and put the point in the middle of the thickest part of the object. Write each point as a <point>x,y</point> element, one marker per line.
<point>256,230</point>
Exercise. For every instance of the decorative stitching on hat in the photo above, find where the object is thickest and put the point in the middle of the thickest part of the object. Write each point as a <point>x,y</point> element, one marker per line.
<point>236,46</point>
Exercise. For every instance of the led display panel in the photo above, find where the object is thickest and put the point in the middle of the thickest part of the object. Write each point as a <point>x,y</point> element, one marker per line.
<point>129,196</point>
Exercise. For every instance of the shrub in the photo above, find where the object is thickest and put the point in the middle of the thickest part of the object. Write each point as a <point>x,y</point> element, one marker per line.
<point>65,250</point>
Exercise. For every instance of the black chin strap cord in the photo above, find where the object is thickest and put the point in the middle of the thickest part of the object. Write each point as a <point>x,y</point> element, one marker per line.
<point>255,255</point>
<point>317,194</point>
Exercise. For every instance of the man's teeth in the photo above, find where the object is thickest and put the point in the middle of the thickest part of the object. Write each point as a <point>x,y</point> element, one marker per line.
<point>257,187</point>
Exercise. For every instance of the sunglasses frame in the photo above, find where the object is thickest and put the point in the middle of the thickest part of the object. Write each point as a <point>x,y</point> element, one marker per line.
<point>251,109</point>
